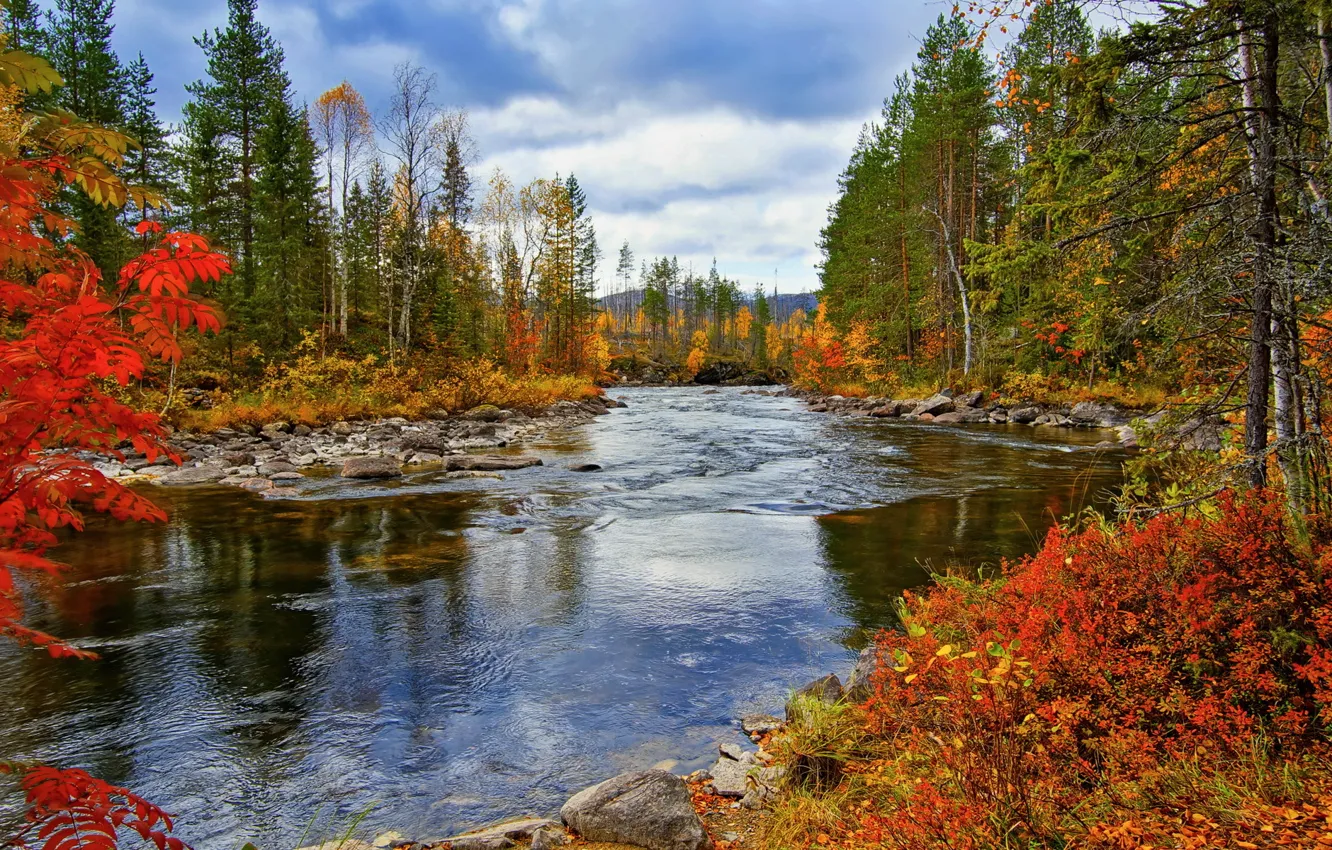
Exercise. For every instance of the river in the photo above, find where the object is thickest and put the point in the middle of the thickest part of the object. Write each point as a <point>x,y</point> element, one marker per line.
<point>442,653</point>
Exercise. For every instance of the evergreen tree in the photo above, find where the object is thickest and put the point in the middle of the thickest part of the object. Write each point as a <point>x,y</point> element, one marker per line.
<point>146,165</point>
<point>288,217</point>
<point>78,44</point>
<point>23,24</point>
<point>229,109</point>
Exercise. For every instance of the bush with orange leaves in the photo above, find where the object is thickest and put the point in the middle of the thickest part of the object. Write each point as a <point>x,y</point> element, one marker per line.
<point>1127,686</point>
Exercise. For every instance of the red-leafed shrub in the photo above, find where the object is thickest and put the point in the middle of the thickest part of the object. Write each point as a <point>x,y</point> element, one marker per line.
<point>1019,711</point>
<point>70,343</point>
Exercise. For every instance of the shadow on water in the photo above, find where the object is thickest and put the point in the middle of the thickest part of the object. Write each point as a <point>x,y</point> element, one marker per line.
<point>456,651</point>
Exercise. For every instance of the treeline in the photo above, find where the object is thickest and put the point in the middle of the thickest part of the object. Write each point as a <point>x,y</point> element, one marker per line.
<point>1148,204</point>
<point>673,313</point>
<point>353,232</point>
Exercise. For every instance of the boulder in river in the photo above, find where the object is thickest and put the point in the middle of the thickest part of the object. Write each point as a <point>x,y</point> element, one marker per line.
<point>1090,414</point>
<point>371,467</point>
<point>756,725</point>
<point>650,808</point>
<point>1025,414</point>
<point>490,462</point>
<point>193,476</point>
<point>585,467</point>
<point>934,406</point>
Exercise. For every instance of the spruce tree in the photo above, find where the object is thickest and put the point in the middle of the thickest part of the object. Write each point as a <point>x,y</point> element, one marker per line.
<point>146,165</point>
<point>229,108</point>
<point>78,44</point>
<point>286,200</point>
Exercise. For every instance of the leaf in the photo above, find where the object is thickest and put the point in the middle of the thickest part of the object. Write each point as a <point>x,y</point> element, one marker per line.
<point>30,73</point>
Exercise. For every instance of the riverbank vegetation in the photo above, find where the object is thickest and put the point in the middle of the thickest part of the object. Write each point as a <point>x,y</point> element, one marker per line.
<point>1144,207</point>
<point>1161,685</point>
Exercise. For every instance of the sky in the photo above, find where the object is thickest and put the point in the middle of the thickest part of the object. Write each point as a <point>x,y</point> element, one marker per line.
<point>699,129</point>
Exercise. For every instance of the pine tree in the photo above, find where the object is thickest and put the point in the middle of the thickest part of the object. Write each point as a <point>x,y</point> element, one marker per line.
<point>286,196</point>
<point>244,63</point>
<point>78,44</point>
<point>23,24</point>
<point>145,165</point>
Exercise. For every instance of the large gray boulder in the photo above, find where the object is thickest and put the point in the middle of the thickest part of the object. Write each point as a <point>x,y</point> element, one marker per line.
<point>934,406</point>
<point>1024,414</point>
<point>651,809</point>
<point>371,467</point>
<point>1090,414</point>
<point>490,462</point>
<point>193,476</point>
<point>858,686</point>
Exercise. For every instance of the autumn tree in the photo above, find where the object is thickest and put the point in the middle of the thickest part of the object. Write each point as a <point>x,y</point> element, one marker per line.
<point>343,126</point>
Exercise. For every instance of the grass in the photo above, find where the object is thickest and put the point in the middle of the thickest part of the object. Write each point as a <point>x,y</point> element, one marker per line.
<point>317,391</point>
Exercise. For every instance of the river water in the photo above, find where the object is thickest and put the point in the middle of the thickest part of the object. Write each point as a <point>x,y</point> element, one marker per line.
<point>443,653</point>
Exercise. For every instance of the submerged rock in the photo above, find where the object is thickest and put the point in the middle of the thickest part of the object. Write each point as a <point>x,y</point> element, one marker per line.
<point>371,467</point>
<point>490,462</point>
<point>193,476</point>
<point>651,809</point>
<point>585,467</point>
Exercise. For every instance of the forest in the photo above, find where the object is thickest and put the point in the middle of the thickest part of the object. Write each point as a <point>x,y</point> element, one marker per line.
<point>1116,204</point>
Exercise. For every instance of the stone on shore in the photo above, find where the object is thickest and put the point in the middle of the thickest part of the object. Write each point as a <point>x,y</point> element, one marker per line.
<point>827,690</point>
<point>858,686</point>
<point>730,778</point>
<point>371,467</point>
<point>193,476</point>
<point>490,462</point>
<point>651,809</point>
<point>485,413</point>
<point>757,725</point>
<point>500,836</point>
<point>549,837</point>
<point>934,406</point>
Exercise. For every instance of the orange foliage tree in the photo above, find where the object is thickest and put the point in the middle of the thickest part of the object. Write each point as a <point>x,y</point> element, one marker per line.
<point>70,345</point>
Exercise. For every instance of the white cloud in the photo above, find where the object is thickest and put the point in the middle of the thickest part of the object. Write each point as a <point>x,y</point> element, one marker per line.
<point>751,192</point>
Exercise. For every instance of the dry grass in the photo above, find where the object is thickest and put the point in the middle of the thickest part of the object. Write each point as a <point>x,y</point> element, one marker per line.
<point>316,391</point>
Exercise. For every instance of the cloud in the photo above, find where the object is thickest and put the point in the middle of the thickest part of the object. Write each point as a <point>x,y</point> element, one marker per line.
<point>697,128</point>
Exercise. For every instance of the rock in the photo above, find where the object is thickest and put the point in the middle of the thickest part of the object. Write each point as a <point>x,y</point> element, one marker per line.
<point>279,426</point>
<point>891,410</point>
<point>255,485</point>
<point>698,776</point>
<point>971,399</point>
<point>340,844</point>
<point>490,462</point>
<point>761,724</point>
<point>858,685</point>
<point>501,835</point>
<point>1089,414</point>
<point>371,467</point>
<point>548,837</point>
<point>485,413</point>
<point>730,778</point>
<point>280,492</point>
<point>731,751</point>
<point>934,405</point>
<point>472,473</point>
<point>1128,437</point>
<point>585,467</point>
<point>392,838</point>
<point>999,416</point>
<point>827,689</point>
<point>341,429</point>
<point>238,458</point>
<point>1024,415</point>
<point>1202,434</point>
<point>273,467</point>
<point>949,418</point>
<point>286,476</point>
<point>192,477</point>
<point>818,408</point>
<point>426,457</point>
<point>649,809</point>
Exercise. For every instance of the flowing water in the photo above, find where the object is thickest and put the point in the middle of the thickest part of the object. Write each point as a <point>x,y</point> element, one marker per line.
<point>447,652</point>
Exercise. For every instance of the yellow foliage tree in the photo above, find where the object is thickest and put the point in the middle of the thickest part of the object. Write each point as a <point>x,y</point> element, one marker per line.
<point>698,353</point>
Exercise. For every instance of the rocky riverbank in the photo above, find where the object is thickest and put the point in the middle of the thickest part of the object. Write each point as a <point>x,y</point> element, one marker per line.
<point>949,408</point>
<point>272,459</point>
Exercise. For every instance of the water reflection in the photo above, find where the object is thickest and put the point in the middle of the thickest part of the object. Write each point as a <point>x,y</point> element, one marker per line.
<point>399,646</point>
